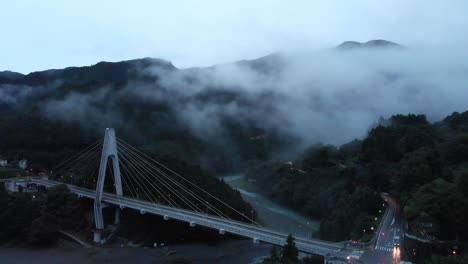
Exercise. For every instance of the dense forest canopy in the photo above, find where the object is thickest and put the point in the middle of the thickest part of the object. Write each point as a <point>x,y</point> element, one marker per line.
<point>424,165</point>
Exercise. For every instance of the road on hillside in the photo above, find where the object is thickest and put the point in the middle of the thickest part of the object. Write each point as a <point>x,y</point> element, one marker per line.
<point>391,232</point>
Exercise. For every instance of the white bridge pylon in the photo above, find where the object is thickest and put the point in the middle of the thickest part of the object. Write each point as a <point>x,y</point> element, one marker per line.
<point>109,152</point>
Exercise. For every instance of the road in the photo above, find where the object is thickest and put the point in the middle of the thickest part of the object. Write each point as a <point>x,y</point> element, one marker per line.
<point>384,251</point>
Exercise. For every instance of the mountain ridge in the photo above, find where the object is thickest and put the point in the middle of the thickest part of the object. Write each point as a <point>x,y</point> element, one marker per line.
<point>261,64</point>
<point>371,44</point>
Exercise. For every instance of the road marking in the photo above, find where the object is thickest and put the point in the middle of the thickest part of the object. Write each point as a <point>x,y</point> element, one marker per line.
<point>388,249</point>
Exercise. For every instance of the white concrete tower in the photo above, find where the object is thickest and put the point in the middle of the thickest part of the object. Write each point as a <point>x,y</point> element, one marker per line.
<point>109,151</point>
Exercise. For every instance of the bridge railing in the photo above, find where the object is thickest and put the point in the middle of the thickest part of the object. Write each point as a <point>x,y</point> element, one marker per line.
<point>226,225</point>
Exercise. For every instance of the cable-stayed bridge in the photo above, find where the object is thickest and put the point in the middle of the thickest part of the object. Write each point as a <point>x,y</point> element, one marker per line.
<point>116,174</point>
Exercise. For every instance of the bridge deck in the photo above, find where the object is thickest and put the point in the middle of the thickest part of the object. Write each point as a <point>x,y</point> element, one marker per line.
<point>258,233</point>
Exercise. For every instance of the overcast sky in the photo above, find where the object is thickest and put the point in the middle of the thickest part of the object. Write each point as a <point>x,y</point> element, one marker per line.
<point>38,35</point>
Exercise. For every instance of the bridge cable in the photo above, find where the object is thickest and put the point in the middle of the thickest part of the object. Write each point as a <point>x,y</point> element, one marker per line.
<point>125,184</point>
<point>151,183</point>
<point>189,182</point>
<point>152,199</point>
<point>72,163</point>
<point>79,153</point>
<point>185,200</point>
<point>214,209</point>
<point>181,186</point>
<point>132,192</point>
<point>90,167</point>
<point>90,171</point>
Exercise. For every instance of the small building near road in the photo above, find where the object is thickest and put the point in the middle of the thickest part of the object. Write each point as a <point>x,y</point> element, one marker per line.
<point>21,186</point>
<point>23,164</point>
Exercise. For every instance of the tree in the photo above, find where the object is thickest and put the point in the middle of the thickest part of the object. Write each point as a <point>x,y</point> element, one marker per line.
<point>448,260</point>
<point>421,166</point>
<point>441,203</point>
<point>274,254</point>
<point>44,230</point>
<point>290,253</point>
<point>178,261</point>
<point>274,258</point>
<point>64,206</point>
<point>319,156</point>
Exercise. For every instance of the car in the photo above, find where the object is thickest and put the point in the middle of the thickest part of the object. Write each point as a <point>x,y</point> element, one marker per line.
<point>396,241</point>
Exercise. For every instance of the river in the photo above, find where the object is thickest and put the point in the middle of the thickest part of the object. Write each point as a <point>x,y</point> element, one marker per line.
<point>273,215</point>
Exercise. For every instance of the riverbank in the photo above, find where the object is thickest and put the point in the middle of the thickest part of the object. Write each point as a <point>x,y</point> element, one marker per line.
<point>229,252</point>
<point>271,214</point>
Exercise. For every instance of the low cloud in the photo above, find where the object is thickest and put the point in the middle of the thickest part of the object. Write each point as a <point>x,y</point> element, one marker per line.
<point>327,96</point>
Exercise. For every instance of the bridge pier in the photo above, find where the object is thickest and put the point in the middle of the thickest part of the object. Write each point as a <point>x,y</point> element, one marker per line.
<point>117,216</point>
<point>97,236</point>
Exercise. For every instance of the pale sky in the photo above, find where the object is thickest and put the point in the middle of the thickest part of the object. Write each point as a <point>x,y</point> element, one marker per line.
<point>39,35</point>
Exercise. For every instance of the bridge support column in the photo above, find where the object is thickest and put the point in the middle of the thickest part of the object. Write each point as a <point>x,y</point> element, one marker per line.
<point>97,236</point>
<point>117,216</point>
<point>109,152</point>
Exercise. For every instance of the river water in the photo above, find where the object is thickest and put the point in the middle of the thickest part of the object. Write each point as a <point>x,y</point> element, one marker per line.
<point>271,215</point>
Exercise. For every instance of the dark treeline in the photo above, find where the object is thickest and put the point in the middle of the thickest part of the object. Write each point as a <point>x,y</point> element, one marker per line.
<point>35,219</point>
<point>424,165</point>
<point>289,254</point>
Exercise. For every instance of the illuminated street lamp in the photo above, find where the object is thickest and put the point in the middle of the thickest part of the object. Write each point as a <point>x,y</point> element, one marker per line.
<point>363,231</point>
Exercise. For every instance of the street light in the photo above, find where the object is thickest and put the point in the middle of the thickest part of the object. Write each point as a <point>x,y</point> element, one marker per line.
<point>362,240</point>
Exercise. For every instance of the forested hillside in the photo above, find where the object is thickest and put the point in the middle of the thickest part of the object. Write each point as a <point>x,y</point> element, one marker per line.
<point>52,113</point>
<point>424,165</point>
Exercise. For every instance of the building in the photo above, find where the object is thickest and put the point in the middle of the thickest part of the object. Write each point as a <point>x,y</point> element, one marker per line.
<point>3,162</point>
<point>20,186</point>
<point>23,164</point>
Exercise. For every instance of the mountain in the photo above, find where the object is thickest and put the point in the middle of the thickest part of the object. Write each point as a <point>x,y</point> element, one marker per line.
<point>102,72</point>
<point>222,117</point>
<point>372,44</point>
<point>176,112</point>
<point>9,75</point>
